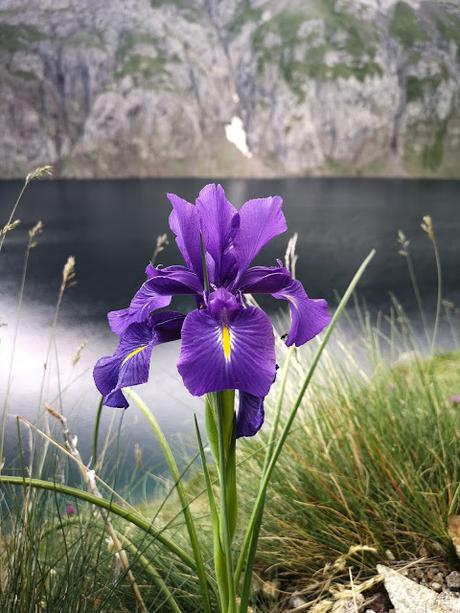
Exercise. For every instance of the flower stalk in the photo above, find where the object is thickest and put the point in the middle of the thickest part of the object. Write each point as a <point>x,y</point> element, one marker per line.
<point>427,227</point>
<point>221,433</point>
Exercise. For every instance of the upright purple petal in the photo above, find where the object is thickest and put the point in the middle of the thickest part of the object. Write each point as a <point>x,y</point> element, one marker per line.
<point>219,224</point>
<point>308,317</point>
<point>261,220</point>
<point>184,221</point>
<point>130,363</point>
<point>250,415</point>
<point>237,354</point>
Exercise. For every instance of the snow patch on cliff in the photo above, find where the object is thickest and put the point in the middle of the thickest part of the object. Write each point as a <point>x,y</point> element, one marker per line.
<point>236,134</point>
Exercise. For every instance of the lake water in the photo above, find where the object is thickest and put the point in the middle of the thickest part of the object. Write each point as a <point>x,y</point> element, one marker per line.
<point>111,228</point>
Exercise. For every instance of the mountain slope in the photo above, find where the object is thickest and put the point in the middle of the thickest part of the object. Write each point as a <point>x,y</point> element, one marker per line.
<point>145,88</point>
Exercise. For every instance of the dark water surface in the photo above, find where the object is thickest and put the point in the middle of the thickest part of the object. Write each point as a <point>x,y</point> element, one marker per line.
<point>111,227</point>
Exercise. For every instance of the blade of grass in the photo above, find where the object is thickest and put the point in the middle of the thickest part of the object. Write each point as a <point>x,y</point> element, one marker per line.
<point>134,518</point>
<point>151,570</point>
<point>255,520</point>
<point>279,406</point>
<point>171,461</point>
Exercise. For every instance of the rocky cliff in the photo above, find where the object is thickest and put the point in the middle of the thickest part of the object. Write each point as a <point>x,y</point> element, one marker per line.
<point>146,87</point>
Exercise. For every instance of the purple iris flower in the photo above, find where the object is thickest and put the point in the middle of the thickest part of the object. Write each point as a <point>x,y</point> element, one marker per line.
<point>225,344</point>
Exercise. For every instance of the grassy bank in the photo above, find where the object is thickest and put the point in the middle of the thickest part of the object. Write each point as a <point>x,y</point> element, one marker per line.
<point>372,463</point>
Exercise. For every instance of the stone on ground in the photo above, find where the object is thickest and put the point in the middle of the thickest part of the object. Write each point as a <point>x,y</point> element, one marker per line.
<point>407,596</point>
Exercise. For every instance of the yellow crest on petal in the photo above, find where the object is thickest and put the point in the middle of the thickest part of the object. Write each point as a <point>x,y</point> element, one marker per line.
<point>226,346</point>
<point>133,353</point>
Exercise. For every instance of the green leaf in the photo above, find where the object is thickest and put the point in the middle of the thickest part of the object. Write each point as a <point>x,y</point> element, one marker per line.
<point>211,427</point>
<point>225,422</point>
<point>132,517</point>
<point>219,559</point>
<point>169,456</point>
<point>96,431</point>
<point>232,498</point>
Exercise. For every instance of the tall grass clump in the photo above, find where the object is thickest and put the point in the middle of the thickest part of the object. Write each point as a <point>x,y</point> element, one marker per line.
<point>372,463</point>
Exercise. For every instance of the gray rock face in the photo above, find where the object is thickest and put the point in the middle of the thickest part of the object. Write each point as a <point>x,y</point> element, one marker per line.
<point>146,87</point>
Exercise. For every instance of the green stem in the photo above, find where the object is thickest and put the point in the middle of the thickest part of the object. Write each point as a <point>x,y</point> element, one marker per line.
<point>219,563</point>
<point>13,350</point>
<point>418,298</point>
<point>439,295</point>
<point>247,553</point>
<point>96,430</point>
<point>268,454</point>
<point>13,211</point>
<point>224,518</point>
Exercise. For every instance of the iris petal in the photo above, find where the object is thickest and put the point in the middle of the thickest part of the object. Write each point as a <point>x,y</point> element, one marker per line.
<point>184,221</point>
<point>155,294</point>
<point>250,415</point>
<point>308,316</point>
<point>248,366</point>
<point>261,220</point>
<point>130,363</point>
<point>219,223</point>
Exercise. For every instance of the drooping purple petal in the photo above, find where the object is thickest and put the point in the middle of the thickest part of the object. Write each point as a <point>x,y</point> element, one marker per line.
<point>130,363</point>
<point>261,220</point>
<point>238,354</point>
<point>175,281</point>
<point>119,320</point>
<point>184,221</point>
<point>250,415</point>
<point>308,317</point>
<point>105,375</point>
<point>219,224</point>
<point>155,294</point>
<point>145,301</point>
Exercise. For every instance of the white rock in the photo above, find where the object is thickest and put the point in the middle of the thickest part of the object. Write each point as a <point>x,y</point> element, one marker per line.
<point>407,596</point>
